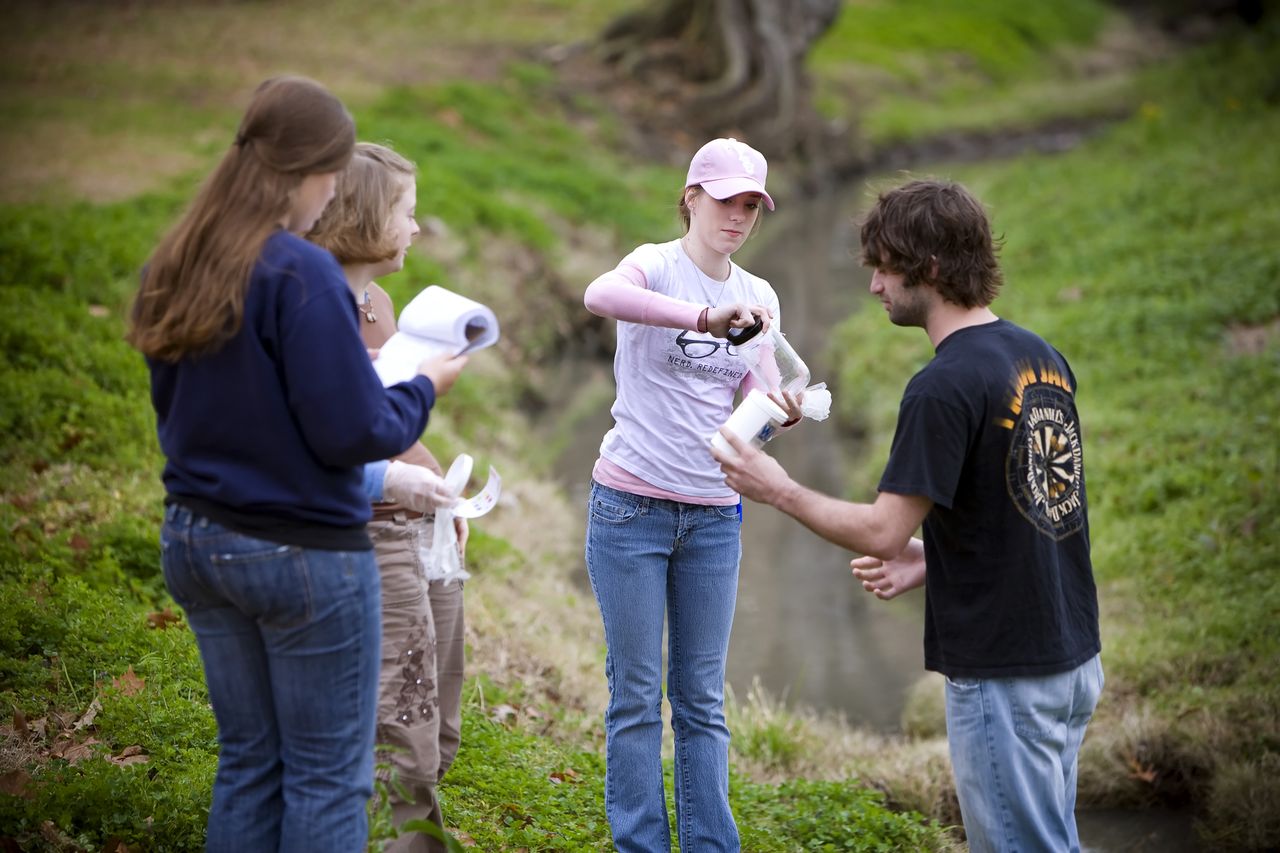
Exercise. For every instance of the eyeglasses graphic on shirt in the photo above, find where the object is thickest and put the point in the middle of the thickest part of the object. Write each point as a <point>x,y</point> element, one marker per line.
<point>700,347</point>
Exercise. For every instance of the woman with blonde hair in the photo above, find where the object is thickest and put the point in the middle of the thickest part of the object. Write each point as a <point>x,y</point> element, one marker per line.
<point>268,410</point>
<point>369,227</point>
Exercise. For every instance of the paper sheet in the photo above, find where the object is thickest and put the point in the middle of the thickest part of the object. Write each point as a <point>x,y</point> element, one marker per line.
<point>483,501</point>
<point>436,321</point>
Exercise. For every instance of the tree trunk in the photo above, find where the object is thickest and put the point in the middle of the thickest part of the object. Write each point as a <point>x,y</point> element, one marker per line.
<point>728,67</point>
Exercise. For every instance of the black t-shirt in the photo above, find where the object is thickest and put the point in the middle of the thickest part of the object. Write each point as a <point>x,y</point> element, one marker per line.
<point>988,431</point>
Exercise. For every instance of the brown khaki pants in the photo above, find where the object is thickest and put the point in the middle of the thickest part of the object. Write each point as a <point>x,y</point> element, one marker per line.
<point>420,683</point>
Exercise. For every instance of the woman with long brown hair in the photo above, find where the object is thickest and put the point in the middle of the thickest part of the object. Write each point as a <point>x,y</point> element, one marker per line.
<point>268,410</point>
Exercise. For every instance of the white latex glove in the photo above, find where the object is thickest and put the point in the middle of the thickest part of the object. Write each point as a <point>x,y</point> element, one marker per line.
<point>418,488</point>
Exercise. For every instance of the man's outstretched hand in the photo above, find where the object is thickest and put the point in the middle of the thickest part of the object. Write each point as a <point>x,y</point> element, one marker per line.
<point>888,579</point>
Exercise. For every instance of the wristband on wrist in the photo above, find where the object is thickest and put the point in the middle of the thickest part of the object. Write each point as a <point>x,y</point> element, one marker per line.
<point>702,319</point>
<point>790,423</point>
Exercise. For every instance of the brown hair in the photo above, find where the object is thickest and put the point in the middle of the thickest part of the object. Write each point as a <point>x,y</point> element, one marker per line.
<point>936,232</point>
<point>191,300</point>
<point>355,225</point>
<point>682,206</point>
<point>682,209</point>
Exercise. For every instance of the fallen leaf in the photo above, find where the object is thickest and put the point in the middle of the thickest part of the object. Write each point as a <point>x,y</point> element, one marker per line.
<point>501,713</point>
<point>566,775</point>
<point>129,755</point>
<point>517,813</point>
<point>1140,771</point>
<point>56,837</point>
<point>129,684</point>
<point>87,718</point>
<point>462,838</point>
<point>163,619</point>
<point>64,720</point>
<point>79,543</point>
<point>72,752</point>
<point>15,782</point>
<point>41,727</point>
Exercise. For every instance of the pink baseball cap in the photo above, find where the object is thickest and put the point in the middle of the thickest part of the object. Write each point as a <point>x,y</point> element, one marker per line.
<point>726,167</point>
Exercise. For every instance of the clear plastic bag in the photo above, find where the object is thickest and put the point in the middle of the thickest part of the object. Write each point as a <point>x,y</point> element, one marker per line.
<point>443,558</point>
<point>775,364</point>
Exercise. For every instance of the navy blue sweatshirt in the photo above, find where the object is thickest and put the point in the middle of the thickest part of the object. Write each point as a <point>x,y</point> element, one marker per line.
<point>268,434</point>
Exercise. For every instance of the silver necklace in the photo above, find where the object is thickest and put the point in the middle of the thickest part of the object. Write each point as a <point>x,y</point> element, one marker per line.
<point>367,308</point>
<point>703,278</point>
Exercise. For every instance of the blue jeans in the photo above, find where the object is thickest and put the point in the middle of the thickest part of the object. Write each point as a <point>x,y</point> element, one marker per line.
<point>647,556</point>
<point>289,638</point>
<point>1014,744</point>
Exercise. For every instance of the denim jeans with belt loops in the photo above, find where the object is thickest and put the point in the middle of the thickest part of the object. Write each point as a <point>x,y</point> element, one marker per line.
<point>646,557</point>
<point>1014,744</point>
<point>289,639</point>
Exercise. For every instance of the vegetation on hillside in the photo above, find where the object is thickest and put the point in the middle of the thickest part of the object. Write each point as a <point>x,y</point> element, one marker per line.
<point>1148,258</point>
<point>1144,256</point>
<point>917,68</point>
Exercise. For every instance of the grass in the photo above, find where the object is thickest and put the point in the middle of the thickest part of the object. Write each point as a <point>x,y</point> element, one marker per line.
<point>104,102</point>
<point>913,69</point>
<point>1147,249</point>
<point>1151,281</point>
<point>112,737</point>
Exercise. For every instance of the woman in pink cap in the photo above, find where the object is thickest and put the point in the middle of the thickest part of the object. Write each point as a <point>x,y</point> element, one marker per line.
<point>662,526</point>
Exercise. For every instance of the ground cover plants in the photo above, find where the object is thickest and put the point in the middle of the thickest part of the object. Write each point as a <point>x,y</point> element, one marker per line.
<point>111,741</point>
<point>921,68</point>
<point>105,735</point>
<point>1147,257</point>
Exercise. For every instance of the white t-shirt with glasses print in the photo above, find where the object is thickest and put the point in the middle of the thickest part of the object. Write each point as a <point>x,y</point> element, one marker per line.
<point>675,387</point>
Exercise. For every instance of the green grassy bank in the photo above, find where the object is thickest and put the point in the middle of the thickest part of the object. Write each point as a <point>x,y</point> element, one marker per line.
<point>1148,257</point>
<point>111,738</point>
<point>918,68</point>
<point>1142,256</point>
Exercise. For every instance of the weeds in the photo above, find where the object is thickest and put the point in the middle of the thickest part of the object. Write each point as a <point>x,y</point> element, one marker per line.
<point>1146,257</point>
<point>1140,280</point>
